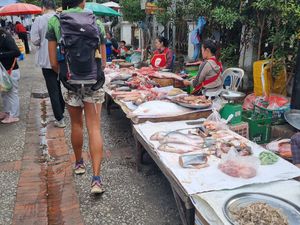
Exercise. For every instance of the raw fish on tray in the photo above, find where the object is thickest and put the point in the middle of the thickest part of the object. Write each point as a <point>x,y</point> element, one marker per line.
<point>159,108</point>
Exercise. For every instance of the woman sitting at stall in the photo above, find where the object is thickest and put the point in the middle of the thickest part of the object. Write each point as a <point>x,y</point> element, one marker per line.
<point>163,56</point>
<point>209,74</point>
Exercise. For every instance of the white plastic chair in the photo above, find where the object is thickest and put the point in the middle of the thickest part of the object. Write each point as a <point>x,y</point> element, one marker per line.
<point>236,76</point>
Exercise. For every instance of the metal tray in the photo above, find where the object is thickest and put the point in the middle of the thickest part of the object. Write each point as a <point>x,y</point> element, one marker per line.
<point>202,106</point>
<point>293,118</point>
<point>232,95</point>
<point>290,210</point>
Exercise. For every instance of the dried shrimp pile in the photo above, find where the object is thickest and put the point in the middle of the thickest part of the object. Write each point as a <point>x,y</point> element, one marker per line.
<point>259,213</point>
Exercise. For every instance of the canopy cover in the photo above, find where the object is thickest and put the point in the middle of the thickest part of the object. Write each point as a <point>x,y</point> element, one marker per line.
<point>101,10</point>
<point>16,9</point>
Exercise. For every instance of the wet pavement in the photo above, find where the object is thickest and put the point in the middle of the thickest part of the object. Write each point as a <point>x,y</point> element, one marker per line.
<point>41,183</point>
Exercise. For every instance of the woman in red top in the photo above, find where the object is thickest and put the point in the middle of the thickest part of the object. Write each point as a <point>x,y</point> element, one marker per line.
<point>163,56</point>
<point>209,74</point>
<point>22,33</point>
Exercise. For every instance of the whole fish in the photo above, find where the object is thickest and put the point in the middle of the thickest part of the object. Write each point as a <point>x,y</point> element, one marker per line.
<point>177,137</point>
<point>178,148</point>
<point>158,136</point>
<point>123,77</point>
<point>118,82</point>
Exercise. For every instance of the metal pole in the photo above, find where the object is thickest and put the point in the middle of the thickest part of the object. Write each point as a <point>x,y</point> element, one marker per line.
<point>174,25</point>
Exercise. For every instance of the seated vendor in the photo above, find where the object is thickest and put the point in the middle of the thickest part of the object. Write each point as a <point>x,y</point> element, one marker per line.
<point>122,50</point>
<point>209,74</point>
<point>163,56</point>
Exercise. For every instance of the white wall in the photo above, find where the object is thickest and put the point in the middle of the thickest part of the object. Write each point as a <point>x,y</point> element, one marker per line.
<point>126,34</point>
<point>191,27</point>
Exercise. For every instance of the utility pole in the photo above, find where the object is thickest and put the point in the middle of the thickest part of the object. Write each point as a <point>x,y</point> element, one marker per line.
<point>174,26</point>
<point>295,101</point>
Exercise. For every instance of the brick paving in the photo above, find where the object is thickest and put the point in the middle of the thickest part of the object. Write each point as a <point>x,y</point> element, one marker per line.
<point>46,192</point>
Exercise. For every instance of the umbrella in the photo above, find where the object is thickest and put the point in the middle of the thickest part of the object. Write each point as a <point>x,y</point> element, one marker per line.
<point>7,2</point>
<point>19,9</point>
<point>111,5</point>
<point>100,10</point>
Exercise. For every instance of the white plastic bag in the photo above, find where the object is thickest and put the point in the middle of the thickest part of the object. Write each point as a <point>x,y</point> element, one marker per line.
<point>235,165</point>
<point>215,122</point>
<point>5,80</point>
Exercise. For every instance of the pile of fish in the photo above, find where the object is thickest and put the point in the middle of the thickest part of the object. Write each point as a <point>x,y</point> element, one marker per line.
<point>193,100</point>
<point>137,97</point>
<point>126,82</point>
<point>218,144</point>
<point>126,79</point>
<point>194,148</point>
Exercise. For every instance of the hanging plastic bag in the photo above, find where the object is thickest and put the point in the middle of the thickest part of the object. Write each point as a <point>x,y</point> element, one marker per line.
<point>5,80</point>
<point>215,122</point>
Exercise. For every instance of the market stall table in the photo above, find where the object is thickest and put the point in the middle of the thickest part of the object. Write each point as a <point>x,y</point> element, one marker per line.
<point>185,206</point>
<point>192,115</point>
<point>189,182</point>
<point>210,206</point>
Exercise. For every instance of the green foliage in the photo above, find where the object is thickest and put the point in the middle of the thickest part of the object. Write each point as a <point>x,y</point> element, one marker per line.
<point>230,55</point>
<point>168,14</point>
<point>38,2</point>
<point>225,17</point>
<point>278,22</point>
<point>131,10</point>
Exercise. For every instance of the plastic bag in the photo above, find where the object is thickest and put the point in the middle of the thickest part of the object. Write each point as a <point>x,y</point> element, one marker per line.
<point>5,80</point>
<point>235,165</point>
<point>215,122</point>
<point>217,103</point>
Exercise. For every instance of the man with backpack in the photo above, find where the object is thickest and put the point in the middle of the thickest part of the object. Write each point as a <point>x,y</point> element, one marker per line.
<point>76,51</point>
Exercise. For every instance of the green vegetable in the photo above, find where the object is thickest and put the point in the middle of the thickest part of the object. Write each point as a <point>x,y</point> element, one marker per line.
<point>268,158</point>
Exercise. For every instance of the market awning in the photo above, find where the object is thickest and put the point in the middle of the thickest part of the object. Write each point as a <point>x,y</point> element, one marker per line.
<point>111,5</point>
<point>101,10</point>
<point>19,9</point>
<point>7,2</point>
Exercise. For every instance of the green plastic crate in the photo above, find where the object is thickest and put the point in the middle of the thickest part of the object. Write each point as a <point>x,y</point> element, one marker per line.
<point>260,126</point>
<point>276,114</point>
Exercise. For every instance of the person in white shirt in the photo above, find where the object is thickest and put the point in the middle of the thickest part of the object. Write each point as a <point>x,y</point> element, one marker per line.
<point>38,38</point>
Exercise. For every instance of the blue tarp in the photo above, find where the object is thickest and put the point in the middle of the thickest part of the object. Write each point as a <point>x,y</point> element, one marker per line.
<point>7,2</point>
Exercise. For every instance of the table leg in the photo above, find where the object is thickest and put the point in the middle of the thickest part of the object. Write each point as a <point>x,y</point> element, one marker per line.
<point>187,215</point>
<point>139,155</point>
<point>108,102</point>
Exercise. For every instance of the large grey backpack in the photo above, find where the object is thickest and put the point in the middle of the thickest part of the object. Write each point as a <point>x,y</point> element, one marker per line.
<point>79,42</point>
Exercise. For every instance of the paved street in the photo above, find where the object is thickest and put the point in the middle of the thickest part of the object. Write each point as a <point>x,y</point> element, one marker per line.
<point>37,184</point>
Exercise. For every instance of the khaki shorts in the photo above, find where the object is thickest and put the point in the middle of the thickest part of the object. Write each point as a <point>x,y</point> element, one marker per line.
<point>77,99</point>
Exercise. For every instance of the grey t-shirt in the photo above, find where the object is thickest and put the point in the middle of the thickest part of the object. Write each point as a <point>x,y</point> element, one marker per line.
<point>38,39</point>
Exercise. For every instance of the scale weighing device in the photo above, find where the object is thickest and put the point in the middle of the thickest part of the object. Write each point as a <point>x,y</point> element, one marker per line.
<point>233,107</point>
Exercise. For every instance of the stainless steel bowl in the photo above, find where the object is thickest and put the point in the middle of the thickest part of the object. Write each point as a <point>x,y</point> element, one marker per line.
<point>293,118</point>
<point>232,95</point>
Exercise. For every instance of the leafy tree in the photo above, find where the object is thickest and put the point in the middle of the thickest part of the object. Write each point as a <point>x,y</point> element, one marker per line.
<point>131,10</point>
<point>38,2</point>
